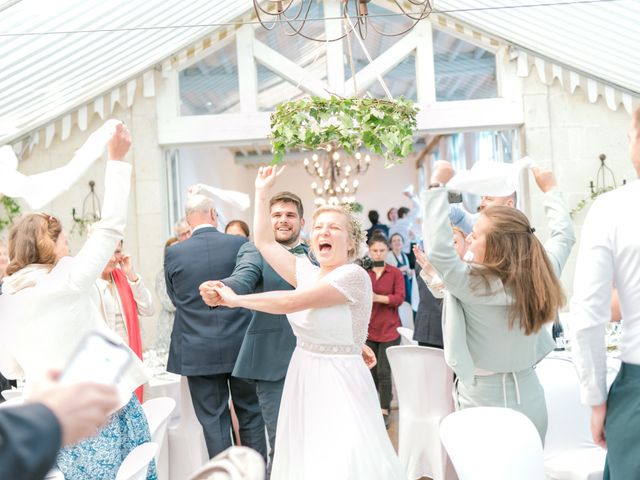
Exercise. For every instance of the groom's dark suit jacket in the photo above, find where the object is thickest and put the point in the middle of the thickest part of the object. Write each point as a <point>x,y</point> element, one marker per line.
<point>269,341</point>
<point>204,341</point>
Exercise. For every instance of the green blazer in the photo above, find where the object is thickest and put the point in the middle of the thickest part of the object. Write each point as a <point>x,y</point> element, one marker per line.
<point>269,342</point>
<point>476,327</point>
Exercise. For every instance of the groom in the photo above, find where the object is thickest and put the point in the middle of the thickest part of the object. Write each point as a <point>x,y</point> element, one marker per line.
<point>269,342</point>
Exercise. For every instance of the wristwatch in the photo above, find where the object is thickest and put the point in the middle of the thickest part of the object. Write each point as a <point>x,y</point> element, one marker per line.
<point>435,185</point>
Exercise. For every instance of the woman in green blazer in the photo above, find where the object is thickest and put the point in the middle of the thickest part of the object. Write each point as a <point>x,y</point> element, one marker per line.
<point>497,303</point>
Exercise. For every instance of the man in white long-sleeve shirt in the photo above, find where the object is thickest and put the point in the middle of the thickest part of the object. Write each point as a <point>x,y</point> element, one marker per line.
<point>609,255</point>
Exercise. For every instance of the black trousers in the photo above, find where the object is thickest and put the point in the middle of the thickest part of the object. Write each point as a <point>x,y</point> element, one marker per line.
<point>382,371</point>
<point>210,397</point>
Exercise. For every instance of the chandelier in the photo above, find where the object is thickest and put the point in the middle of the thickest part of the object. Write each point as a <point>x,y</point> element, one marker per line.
<point>292,15</point>
<point>333,171</point>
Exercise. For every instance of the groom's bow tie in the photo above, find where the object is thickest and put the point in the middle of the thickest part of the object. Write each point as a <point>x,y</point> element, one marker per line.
<point>298,250</point>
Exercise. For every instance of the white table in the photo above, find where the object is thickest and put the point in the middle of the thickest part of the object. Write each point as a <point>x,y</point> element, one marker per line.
<point>184,449</point>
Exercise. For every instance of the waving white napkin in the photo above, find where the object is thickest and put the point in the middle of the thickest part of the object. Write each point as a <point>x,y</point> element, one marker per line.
<point>487,178</point>
<point>237,199</point>
<point>39,189</point>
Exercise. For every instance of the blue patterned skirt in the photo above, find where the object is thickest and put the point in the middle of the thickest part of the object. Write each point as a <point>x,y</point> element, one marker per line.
<point>100,457</point>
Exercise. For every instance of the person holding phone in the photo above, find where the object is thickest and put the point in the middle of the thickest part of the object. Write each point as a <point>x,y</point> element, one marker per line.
<point>46,312</point>
<point>31,434</point>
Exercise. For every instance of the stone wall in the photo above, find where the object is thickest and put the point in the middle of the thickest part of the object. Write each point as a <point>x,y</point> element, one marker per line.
<point>565,132</point>
<point>145,232</point>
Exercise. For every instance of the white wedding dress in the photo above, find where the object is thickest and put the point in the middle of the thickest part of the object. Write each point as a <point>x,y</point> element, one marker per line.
<point>330,426</point>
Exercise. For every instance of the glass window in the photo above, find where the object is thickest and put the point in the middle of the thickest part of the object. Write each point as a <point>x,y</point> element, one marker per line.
<point>210,86</point>
<point>463,70</point>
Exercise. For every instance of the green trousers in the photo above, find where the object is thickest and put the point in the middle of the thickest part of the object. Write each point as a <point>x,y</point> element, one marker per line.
<point>622,425</point>
<point>520,391</point>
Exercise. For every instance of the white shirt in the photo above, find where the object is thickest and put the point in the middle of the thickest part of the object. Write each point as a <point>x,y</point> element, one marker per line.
<point>609,255</point>
<point>108,301</point>
<point>202,225</point>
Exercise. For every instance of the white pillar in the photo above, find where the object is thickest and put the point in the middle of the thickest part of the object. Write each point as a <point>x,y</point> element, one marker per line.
<point>335,53</point>
<point>425,64</point>
<point>247,72</point>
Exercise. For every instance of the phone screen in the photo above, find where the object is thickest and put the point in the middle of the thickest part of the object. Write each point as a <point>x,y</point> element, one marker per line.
<point>455,197</point>
<point>97,359</point>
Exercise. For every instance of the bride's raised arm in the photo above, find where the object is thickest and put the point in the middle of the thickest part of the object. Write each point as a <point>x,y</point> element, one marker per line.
<point>283,262</point>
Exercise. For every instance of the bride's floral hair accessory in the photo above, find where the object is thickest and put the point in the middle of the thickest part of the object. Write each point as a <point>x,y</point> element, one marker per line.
<point>355,230</point>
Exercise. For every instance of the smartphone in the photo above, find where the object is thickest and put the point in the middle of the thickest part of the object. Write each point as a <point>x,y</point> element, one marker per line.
<point>455,197</point>
<point>97,359</point>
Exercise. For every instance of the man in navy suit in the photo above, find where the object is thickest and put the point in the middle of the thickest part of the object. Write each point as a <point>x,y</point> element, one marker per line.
<point>205,341</point>
<point>269,343</point>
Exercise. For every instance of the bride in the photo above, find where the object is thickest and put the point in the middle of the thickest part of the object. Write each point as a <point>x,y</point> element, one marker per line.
<point>329,426</point>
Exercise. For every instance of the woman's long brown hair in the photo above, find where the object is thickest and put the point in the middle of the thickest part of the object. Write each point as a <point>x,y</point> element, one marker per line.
<point>32,239</point>
<point>516,256</point>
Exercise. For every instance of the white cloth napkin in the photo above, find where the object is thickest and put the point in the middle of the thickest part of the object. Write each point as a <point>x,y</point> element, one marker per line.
<point>237,199</point>
<point>39,189</point>
<point>487,178</point>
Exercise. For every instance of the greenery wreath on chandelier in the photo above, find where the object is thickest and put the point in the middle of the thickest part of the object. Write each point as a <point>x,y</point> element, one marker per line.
<point>384,127</point>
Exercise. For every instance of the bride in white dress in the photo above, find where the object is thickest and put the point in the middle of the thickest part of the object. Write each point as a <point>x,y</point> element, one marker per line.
<point>329,426</point>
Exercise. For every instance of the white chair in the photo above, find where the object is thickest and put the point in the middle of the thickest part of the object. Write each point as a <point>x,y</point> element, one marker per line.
<point>424,383</point>
<point>492,442</point>
<point>158,411</point>
<point>13,402</point>
<point>187,448</point>
<point>569,451</point>
<point>136,464</point>
<point>235,463</point>
<point>406,315</point>
<point>406,336</point>
<point>12,393</point>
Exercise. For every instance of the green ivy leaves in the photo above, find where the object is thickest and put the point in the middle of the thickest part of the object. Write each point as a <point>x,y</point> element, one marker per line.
<point>383,127</point>
<point>583,203</point>
<point>12,210</point>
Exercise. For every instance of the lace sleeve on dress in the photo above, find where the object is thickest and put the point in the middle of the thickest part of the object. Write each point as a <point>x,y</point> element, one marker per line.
<point>352,281</point>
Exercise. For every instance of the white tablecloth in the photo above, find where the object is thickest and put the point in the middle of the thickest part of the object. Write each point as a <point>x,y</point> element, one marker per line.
<point>184,449</point>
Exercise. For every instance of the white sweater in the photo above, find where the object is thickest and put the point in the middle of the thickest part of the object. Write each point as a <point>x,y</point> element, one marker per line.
<point>41,325</point>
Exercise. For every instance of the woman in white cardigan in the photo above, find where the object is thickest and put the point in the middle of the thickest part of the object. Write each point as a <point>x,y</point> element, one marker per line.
<point>46,310</point>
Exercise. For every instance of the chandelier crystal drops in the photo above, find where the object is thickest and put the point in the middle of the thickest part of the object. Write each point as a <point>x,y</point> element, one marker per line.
<point>333,171</point>
<point>292,16</point>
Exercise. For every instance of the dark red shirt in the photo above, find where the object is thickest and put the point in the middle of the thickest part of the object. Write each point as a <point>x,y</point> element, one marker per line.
<point>384,317</point>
